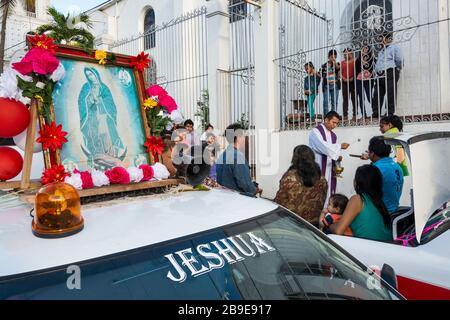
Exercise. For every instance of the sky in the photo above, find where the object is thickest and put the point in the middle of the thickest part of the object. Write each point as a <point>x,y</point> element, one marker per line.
<point>75,5</point>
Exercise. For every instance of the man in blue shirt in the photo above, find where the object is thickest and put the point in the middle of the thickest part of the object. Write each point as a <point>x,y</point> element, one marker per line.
<point>233,170</point>
<point>392,173</point>
<point>387,70</point>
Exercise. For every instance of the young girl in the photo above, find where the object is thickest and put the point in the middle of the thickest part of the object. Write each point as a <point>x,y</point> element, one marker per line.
<point>311,87</point>
<point>334,212</point>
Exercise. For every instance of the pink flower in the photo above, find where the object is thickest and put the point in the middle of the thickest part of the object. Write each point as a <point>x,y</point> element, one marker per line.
<point>37,60</point>
<point>149,173</point>
<point>169,103</point>
<point>156,91</point>
<point>118,175</point>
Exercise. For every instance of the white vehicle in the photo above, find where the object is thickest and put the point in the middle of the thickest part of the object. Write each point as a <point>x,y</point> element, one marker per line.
<point>420,252</point>
<point>187,246</point>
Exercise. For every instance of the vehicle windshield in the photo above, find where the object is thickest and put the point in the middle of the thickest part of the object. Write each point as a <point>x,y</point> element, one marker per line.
<point>272,257</point>
<point>436,225</point>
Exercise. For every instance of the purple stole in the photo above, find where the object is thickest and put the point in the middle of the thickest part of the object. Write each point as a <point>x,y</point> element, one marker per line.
<point>325,158</point>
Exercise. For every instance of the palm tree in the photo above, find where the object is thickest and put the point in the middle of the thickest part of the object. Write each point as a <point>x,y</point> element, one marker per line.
<point>6,7</point>
<point>63,29</point>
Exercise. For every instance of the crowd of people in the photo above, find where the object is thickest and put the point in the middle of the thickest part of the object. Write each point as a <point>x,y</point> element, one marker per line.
<point>369,77</point>
<point>228,166</point>
<point>308,188</point>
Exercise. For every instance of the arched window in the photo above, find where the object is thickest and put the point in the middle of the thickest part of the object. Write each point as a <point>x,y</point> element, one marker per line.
<point>371,19</point>
<point>149,29</point>
<point>30,6</point>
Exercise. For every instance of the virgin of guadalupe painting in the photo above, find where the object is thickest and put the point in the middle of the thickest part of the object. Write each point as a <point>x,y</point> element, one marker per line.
<point>100,108</point>
<point>102,144</point>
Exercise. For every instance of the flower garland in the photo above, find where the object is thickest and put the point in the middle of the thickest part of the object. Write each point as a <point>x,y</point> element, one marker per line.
<point>158,107</point>
<point>96,179</point>
<point>35,76</point>
<point>37,73</point>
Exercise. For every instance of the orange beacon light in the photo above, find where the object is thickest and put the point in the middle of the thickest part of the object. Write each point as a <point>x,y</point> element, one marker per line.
<point>57,211</point>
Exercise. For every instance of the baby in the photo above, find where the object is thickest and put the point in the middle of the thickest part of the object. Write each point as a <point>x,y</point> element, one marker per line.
<point>335,210</point>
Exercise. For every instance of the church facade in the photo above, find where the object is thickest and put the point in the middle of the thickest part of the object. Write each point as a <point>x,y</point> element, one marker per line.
<point>23,19</point>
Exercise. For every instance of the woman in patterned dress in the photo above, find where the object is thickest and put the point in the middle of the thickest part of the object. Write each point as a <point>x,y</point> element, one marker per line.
<point>302,189</point>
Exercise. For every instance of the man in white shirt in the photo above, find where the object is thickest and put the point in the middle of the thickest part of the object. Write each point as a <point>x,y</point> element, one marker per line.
<point>323,141</point>
<point>192,138</point>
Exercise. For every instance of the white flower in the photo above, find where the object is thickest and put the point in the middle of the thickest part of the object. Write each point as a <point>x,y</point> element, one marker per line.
<point>8,85</point>
<point>136,174</point>
<point>40,85</point>
<point>75,181</point>
<point>58,74</point>
<point>176,117</point>
<point>161,171</point>
<point>99,178</point>
<point>161,114</point>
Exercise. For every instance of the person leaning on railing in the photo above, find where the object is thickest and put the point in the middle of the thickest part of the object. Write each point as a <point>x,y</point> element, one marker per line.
<point>331,82</point>
<point>388,68</point>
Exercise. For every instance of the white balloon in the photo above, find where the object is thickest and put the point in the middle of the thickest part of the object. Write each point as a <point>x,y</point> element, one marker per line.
<point>21,141</point>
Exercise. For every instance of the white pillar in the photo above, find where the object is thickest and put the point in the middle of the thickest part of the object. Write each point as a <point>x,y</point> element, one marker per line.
<point>218,25</point>
<point>104,42</point>
<point>444,56</point>
<point>267,114</point>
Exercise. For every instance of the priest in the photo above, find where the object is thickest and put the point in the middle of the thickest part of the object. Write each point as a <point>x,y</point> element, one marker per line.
<point>323,141</point>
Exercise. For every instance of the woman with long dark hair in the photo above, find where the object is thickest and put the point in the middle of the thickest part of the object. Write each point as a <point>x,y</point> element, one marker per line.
<point>366,213</point>
<point>302,189</point>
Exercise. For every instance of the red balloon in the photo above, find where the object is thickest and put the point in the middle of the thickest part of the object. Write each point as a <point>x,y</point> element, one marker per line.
<point>11,163</point>
<point>14,118</point>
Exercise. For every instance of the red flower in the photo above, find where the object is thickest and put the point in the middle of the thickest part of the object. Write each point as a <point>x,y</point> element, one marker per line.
<point>155,146</point>
<point>118,175</point>
<point>86,178</point>
<point>37,60</point>
<point>141,62</point>
<point>44,42</point>
<point>56,173</point>
<point>52,137</point>
<point>149,173</point>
